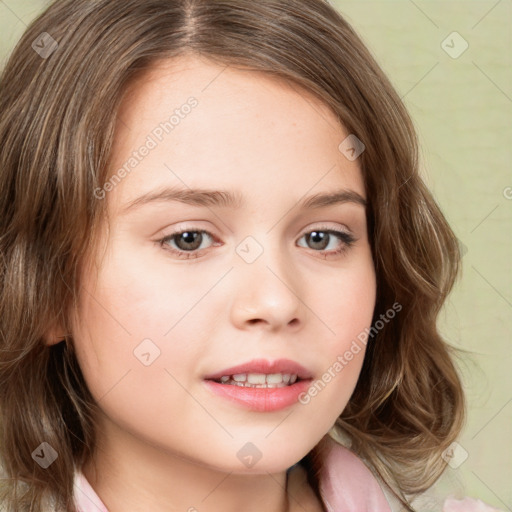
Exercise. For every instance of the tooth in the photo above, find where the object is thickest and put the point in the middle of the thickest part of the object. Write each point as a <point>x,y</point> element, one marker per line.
<point>256,378</point>
<point>260,380</point>
<point>274,378</point>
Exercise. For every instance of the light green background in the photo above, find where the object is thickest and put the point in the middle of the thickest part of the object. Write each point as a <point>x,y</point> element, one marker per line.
<point>462,108</point>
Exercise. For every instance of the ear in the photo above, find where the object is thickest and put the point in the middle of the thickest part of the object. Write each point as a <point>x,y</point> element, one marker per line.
<point>55,334</point>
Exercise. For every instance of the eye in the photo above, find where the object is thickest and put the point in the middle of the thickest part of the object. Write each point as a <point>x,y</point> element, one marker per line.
<point>186,243</point>
<point>322,238</point>
<point>189,243</point>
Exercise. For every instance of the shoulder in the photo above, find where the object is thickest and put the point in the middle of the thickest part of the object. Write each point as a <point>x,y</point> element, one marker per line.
<point>347,484</point>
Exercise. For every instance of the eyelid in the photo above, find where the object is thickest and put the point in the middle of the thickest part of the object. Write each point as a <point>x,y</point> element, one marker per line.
<point>319,227</point>
<point>326,227</point>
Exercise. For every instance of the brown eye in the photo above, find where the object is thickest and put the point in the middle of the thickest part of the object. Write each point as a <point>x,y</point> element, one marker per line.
<point>318,239</point>
<point>321,239</point>
<point>187,242</point>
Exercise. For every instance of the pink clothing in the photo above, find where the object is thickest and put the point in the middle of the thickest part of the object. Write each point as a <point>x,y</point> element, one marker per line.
<point>86,499</point>
<point>346,485</point>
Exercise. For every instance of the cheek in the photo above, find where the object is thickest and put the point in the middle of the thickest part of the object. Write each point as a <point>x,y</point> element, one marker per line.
<point>132,368</point>
<point>139,320</point>
<point>348,309</point>
<point>346,305</point>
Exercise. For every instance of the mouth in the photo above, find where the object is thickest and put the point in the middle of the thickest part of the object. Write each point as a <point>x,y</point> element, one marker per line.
<point>260,385</point>
<point>262,373</point>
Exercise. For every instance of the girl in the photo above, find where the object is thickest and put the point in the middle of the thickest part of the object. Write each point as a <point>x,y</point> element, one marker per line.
<point>221,270</point>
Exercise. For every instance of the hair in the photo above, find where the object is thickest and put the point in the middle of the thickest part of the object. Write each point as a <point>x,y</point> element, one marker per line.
<point>56,136</point>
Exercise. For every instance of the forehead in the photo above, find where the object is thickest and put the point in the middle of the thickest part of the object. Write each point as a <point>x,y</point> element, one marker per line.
<point>179,77</point>
<point>247,130</point>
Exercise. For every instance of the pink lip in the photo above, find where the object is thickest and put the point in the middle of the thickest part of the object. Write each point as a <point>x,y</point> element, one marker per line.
<point>263,366</point>
<point>262,399</point>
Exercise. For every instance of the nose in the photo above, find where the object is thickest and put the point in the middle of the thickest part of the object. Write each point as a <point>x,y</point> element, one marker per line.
<point>267,294</point>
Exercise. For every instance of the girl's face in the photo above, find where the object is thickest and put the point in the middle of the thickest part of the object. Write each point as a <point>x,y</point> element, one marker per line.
<point>256,274</point>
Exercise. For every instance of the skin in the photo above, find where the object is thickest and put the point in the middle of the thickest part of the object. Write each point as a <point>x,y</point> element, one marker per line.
<point>164,441</point>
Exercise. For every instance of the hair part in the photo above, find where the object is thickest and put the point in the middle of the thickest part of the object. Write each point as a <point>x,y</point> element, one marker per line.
<point>56,136</point>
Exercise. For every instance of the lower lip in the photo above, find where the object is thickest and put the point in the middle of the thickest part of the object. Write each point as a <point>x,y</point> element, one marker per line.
<point>260,399</point>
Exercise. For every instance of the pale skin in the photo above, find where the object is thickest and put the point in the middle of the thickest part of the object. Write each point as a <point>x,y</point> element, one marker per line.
<point>165,442</point>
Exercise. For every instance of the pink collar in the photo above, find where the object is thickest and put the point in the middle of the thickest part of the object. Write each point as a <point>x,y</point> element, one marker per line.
<point>86,498</point>
<point>346,485</point>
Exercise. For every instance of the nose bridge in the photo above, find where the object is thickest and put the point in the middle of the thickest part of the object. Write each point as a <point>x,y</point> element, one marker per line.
<point>267,288</point>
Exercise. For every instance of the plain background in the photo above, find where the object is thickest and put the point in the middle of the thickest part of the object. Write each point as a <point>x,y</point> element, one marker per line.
<point>461,105</point>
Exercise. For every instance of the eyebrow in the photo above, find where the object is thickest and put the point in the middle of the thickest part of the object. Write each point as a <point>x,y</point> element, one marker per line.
<point>228,199</point>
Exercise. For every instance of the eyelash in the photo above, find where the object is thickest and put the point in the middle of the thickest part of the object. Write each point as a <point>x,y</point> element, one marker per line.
<point>347,239</point>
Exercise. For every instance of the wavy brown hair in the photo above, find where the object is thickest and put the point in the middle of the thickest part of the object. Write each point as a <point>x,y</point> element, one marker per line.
<point>58,115</point>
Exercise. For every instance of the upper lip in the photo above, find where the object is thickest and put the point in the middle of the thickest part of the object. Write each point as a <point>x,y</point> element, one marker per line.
<point>263,366</point>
